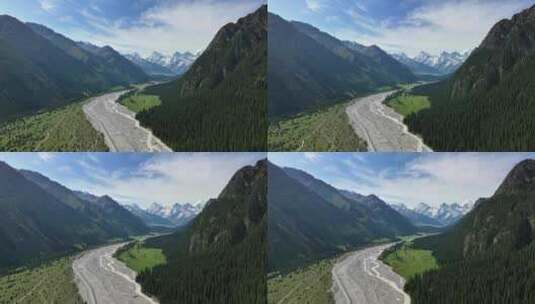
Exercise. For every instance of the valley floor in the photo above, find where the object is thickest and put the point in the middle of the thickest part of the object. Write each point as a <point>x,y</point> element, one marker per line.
<point>103,279</point>
<point>360,277</point>
<point>122,132</point>
<point>50,282</point>
<point>381,126</point>
<point>311,285</point>
<point>322,130</point>
<point>63,129</point>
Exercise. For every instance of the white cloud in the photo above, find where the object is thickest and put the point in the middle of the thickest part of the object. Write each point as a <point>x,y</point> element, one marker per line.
<point>167,178</point>
<point>47,5</point>
<point>313,5</point>
<point>312,156</point>
<point>433,178</point>
<point>361,7</point>
<point>45,156</point>
<point>438,178</point>
<point>437,26</point>
<point>186,25</point>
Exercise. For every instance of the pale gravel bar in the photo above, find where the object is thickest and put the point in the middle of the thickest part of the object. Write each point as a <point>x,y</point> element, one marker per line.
<point>361,278</point>
<point>101,279</point>
<point>122,132</point>
<point>381,127</point>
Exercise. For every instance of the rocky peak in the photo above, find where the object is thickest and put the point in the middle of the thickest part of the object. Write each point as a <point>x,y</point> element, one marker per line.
<point>374,199</point>
<point>526,16</point>
<point>517,32</point>
<point>423,56</point>
<point>107,51</point>
<point>521,178</point>
<point>158,58</point>
<point>107,201</point>
<point>7,170</point>
<point>8,22</point>
<point>240,207</point>
<point>135,56</point>
<point>243,180</point>
<point>232,42</point>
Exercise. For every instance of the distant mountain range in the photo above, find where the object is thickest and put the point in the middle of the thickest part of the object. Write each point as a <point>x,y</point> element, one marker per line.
<point>159,64</point>
<point>425,215</point>
<point>176,215</point>
<point>223,250</point>
<point>40,218</point>
<point>489,254</point>
<point>425,63</point>
<point>220,103</point>
<point>309,219</point>
<point>488,104</point>
<point>43,69</point>
<point>309,68</point>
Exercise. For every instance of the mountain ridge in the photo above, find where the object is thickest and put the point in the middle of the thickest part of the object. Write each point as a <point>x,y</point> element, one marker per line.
<point>226,243</point>
<point>219,104</point>
<point>488,103</point>
<point>178,214</point>
<point>309,68</point>
<point>159,64</point>
<point>488,255</point>
<point>427,64</point>
<point>496,223</point>
<point>103,211</point>
<point>43,69</point>
<point>40,219</point>
<point>310,219</point>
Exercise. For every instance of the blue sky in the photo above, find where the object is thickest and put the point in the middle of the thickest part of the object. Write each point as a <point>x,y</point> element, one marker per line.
<point>410,26</point>
<point>135,25</point>
<point>408,178</point>
<point>141,178</point>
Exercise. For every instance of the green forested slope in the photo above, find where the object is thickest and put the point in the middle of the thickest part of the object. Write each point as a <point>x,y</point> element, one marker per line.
<point>489,104</point>
<point>491,278</point>
<point>489,256</point>
<point>45,71</point>
<point>34,224</point>
<point>220,103</point>
<point>63,129</point>
<point>51,281</point>
<point>221,256</point>
<point>308,68</point>
<point>40,218</point>
<point>309,219</point>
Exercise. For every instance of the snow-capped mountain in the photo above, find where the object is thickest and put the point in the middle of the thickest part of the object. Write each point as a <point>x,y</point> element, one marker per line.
<point>425,63</point>
<point>160,64</point>
<point>149,67</point>
<point>416,218</point>
<point>147,217</point>
<point>160,210</point>
<point>179,63</point>
<point>425,209</point>
<point>446,62</point>
<point>159,58</point>
<point>179,214</point>
<point>445,214</point>
<point>415,66</point>
<point>449,214</point>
